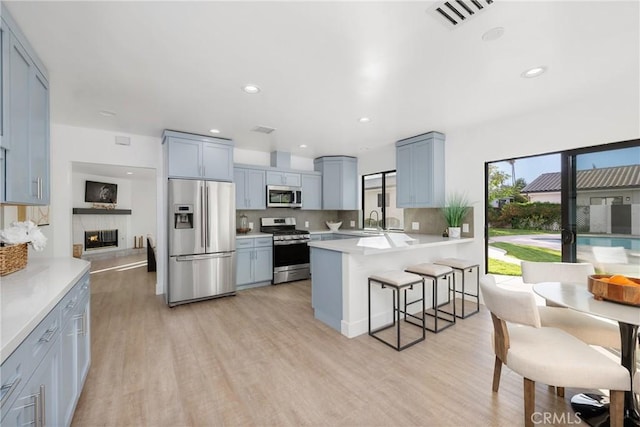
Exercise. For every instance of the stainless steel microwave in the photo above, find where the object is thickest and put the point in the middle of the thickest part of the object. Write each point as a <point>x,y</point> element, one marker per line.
<point>279,196</point>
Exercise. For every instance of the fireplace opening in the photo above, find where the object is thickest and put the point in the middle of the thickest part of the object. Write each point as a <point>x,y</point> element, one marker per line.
<point>100,239</point>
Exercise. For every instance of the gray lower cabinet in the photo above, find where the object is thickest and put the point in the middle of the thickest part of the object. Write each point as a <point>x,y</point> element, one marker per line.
<point>37,403</point>
<point>198,156</point>
<point>43,378</point>
<point>339,182</point>
<point>311,191</point>
<point>250,188</point>
<point>76,351</point>
<point>254,262</point>
<point>420,171</point>
<point>25,119</point>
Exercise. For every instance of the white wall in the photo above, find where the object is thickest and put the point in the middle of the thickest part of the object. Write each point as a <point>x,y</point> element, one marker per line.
<point>144,207</point>
<point>82,223</point>
<point>73,144</point>
<point>139,195</point>
<point>614,117</point>
<point>259,158</point>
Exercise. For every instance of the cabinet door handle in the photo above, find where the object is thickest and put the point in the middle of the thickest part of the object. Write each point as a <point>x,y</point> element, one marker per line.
<point>48,334</point>
<point>7,389</point>
<point>83,327</point>
<point>43,406</point>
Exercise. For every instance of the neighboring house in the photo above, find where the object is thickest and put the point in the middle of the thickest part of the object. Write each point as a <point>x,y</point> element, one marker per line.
<point>608,199</point>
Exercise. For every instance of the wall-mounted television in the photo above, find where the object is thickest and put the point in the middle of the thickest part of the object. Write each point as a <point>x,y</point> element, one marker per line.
<point>100,192</point>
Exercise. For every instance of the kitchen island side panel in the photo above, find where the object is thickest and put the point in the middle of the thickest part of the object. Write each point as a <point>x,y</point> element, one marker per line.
<point>326,288</point>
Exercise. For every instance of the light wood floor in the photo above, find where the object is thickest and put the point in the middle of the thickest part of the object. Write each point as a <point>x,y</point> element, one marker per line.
<point>260,358</point>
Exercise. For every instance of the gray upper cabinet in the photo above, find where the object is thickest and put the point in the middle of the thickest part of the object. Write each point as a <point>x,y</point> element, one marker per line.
<point>198,157</point>
<point>250,188</point>
<point>339,182</point>
<point>420,171</point>
<point>25,119</point>
<point>283,178</point>
<point>311,191</point>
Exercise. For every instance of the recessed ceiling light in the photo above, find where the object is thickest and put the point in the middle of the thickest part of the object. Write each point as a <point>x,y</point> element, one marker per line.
<point>129,173</point>
<point>251,89</point>
<point>302,145</point>
<point>533,72</point>
<point>214,131</point>
<point>364,119</point>
<point>106,113</point>
<point>493,34</point>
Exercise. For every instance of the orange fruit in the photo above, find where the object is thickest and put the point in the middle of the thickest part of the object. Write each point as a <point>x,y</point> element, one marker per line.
<point>619,279</point>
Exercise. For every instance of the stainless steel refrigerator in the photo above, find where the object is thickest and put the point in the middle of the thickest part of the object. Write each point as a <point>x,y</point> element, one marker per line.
<point>202,240</point>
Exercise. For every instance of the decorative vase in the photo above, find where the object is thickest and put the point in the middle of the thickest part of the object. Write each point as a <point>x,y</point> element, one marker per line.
<point>454,232</point>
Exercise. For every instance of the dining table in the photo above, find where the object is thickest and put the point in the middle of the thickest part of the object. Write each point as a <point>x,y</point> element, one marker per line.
<point>576,296</point>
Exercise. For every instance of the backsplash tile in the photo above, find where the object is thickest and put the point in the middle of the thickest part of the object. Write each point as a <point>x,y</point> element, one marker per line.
<point>432,222</point>
<point>316,219</point>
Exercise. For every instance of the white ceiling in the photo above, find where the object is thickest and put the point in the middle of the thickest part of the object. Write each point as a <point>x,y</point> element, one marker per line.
<point>322,66</point>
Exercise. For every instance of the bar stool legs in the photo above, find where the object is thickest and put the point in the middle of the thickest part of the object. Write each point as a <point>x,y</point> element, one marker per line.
<point>434,273</point>
<point>464,266</point>
<point>398,281</point>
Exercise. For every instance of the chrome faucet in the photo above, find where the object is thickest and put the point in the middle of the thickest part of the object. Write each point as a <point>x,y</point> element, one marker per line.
<point>377,218</point>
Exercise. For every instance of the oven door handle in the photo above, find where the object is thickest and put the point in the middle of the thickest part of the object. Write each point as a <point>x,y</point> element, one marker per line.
<point>290,242</point>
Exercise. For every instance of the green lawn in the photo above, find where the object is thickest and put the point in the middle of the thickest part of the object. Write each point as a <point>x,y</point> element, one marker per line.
<point>504,268</point>
<point>524,253</point>
<point>529,253</point>
<point>514,232</point>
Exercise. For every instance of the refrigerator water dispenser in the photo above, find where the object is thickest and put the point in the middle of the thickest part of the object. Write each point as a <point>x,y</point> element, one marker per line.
<point>183,216</point>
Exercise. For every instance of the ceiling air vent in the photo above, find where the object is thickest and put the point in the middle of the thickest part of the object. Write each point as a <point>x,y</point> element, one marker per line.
<point>455,12</point>
<point>263,129</point>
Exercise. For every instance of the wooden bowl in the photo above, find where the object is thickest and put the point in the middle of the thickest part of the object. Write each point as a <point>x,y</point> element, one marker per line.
<point>623,294</point>
<point>242,230</point>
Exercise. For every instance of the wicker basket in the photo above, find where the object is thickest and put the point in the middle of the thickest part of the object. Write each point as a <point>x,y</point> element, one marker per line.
<point>13,258</point>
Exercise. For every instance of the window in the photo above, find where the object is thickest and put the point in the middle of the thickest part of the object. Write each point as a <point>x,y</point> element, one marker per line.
<point>379,202</point>
<point>616,200</point>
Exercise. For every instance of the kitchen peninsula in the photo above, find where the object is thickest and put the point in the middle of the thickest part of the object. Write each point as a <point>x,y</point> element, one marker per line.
<point>340,268</point>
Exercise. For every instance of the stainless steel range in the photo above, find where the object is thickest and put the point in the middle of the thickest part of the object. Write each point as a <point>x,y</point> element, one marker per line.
<point>290,249</point>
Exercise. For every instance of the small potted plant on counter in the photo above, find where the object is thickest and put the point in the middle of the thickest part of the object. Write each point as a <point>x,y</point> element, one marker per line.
<point>454,211</point>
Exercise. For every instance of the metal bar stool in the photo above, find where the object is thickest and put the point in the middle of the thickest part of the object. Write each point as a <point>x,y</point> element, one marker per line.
<point>435,272</point>
<point>397,281</point>
<point>463,266</point>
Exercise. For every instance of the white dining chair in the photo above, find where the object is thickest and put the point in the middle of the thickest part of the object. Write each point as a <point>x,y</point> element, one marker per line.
<point>547,355</point>
<point>590,329</point>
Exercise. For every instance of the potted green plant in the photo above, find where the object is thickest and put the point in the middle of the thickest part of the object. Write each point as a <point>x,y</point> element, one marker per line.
<point>454,211</point>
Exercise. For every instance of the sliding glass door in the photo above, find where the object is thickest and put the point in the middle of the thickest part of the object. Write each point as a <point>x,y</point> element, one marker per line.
<point>579,205</point>
<point>601,207</point>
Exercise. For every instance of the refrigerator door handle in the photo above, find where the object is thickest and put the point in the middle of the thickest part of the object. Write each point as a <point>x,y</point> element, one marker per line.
<point>206,213</point>
<point>187,258</point>
<point>203,219</point>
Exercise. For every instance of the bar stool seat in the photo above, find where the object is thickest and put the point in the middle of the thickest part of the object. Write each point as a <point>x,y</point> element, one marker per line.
<point>435,272</point>
<point>464,266</point>
<point>397,281</point>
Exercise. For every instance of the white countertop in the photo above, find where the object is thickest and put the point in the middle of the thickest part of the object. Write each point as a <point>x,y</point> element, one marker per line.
<point>28,295</point>
<point>388,242</point>
<point>252,235</point>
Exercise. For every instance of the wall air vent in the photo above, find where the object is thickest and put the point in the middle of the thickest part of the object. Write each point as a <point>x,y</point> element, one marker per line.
<point>453,13</point>
<point>263,129</point>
